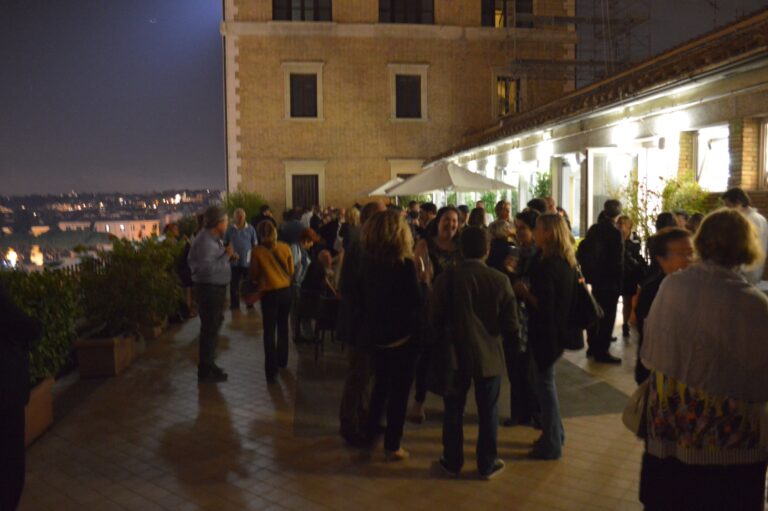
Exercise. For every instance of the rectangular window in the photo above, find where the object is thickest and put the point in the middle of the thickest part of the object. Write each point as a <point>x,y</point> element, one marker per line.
<point>408,96</point>
<point>301,10</point>
<point>303,95</point>
<point>507,95</point>
<point>407,11</point>
<point>507,13</point>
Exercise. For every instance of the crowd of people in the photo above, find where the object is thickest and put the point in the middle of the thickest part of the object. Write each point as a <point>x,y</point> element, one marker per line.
<point>440,300</point>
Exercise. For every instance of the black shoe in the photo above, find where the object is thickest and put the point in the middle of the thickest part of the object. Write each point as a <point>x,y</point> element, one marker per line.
<point>590,354</point>
<point>607,358</point>
<point>212,377</point>
<point>249,307</point>
<point>496,469</point>
<point>217,370</point>
<point>625,331</point>
<point>445,471</point>
<point>614,339</point>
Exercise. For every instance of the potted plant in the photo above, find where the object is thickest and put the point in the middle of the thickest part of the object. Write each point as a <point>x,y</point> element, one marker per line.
<point>129,294</point>
<point>51,298</point>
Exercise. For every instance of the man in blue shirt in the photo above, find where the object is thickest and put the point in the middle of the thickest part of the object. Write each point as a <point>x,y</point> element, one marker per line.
<point>209,262</point>
<point>242,238</point>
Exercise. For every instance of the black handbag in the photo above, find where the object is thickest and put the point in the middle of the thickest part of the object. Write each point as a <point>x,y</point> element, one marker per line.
<point>585,312</point>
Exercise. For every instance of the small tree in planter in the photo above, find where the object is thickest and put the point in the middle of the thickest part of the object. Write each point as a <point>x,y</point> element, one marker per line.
<point>131,292</point>
<point>51,298</point>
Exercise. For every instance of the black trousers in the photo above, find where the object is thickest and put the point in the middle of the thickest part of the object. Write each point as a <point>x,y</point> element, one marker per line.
<point>210,302</point>
<point>670,485</point>
<point>275,310</point>
<point>599,338</point>
<point>394,376</point>
<point>523,403</point>
<point>238,275</point>
<point>11,456</point>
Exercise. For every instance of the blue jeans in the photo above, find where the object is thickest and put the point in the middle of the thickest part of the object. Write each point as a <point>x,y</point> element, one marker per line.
<point>487,399</point>
<point>550,444</point>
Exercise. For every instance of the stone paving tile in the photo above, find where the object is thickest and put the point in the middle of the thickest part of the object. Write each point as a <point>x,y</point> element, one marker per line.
<point>154,439</point>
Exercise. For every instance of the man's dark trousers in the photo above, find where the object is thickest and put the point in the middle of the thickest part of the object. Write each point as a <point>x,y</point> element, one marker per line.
<point>599,338</point>
<point>239,274</point>
<point>487,399</point>
<point>210,300</point>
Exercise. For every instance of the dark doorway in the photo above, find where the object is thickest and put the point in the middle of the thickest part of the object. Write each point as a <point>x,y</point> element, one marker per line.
<point>305,191</point>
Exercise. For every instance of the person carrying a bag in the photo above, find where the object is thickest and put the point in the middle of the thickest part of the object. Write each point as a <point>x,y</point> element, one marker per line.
<point>472,311</point>
<point>272,269</point>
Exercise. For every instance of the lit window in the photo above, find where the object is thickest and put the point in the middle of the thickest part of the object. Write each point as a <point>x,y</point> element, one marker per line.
<point>507,13</point>
<point>507,95</point>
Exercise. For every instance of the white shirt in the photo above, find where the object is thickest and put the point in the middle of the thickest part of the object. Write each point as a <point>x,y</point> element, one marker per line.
<point>754,273</point>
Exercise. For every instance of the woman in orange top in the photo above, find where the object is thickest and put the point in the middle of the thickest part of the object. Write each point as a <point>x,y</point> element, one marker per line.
<point>272,270</point>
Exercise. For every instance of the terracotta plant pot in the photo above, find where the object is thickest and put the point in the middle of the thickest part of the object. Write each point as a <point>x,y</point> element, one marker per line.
<point>39,411</point>
<point>155,331</point>
<point>106,356</point>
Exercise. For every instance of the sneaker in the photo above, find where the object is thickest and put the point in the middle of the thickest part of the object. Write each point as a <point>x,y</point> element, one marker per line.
<point>445,471</point>
<point>212,377</point>
<point>496,469</point>
<point>398,455</point>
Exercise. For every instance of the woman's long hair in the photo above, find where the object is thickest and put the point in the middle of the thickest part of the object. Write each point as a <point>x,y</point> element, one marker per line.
<point>267,234</point>
<point>387,238</point>
<point>560,244</point>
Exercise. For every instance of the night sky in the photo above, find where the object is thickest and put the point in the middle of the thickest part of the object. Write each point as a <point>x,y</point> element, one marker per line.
<point>127,95</point>
<point>110,95</point>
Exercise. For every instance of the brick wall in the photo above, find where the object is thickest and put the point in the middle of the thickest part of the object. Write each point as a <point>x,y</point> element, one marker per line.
<point>744,140</point>
<point>686,160</point>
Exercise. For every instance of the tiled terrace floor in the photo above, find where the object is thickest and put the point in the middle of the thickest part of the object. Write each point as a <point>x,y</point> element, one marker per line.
<point>152,439</point>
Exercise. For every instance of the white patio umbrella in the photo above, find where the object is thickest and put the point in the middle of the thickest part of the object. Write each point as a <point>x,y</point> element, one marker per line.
<point>446,176</point>
<point>382,190</point>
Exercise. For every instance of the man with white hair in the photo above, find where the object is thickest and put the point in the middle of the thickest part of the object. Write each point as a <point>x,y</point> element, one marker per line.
<point>737,199</point>
<point>242,237</point>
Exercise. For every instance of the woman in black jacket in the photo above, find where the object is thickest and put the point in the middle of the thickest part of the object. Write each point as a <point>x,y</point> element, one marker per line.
<point>389,300</point>
<point>552,282</point>
<point>635,269</point>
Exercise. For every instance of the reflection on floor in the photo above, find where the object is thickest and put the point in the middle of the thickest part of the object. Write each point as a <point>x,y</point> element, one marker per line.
<point>152,439</point>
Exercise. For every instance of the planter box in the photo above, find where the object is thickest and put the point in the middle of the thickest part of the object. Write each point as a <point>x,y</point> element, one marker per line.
<point>38,413</point>
<point>103,357</point>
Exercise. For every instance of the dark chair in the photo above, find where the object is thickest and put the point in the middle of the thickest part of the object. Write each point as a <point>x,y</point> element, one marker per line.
<point>325,321</point>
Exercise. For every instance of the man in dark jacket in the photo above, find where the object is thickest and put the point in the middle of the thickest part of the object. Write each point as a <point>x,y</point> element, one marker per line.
<point>17,332</point>
<point>601,256</point>
<point>474,309</point>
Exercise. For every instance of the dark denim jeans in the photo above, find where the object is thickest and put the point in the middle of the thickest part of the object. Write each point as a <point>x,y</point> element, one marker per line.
<point>487,399</point>
<point>275,308</point>
<point>523,403</point>
<point>210,301</point>
<point>550,444</point>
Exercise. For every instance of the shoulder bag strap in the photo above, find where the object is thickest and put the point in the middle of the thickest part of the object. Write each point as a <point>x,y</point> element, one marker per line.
<point>280,264</point>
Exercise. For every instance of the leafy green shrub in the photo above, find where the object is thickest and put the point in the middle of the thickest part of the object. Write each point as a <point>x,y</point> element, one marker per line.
<point>51,298</point>
<point>188,226</point>
<point>133,286</point>
<point>542,187</point>
<point>249,201</point>
<point>684,195</point>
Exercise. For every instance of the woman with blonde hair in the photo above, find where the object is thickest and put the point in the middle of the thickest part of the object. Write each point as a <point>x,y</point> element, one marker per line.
<point>272,269</point>
<point>389,302</point>
<point>705,442</point>
<point>552,279</point>
<point>350,229</point>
